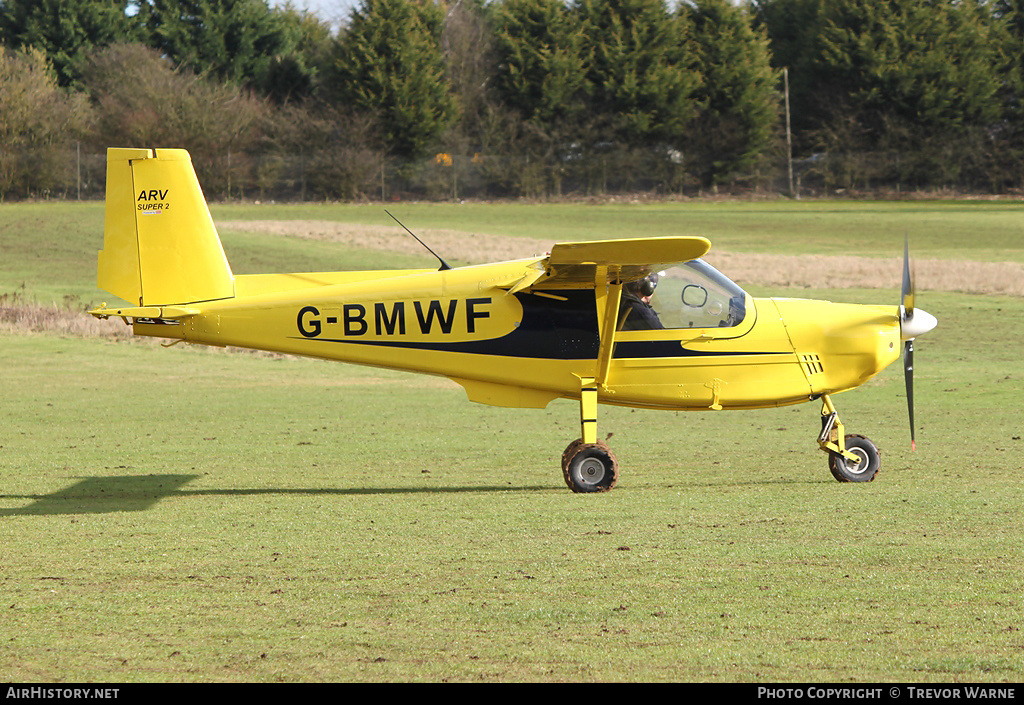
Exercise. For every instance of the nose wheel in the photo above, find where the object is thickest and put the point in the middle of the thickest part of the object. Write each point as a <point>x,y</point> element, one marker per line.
<point>866,467</point>
<point>851,458</point>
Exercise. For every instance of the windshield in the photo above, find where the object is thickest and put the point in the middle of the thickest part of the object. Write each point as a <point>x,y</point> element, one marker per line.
<point>689,295</point>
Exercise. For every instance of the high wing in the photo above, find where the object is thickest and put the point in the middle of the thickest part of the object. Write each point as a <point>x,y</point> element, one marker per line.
<point>575,265</point>
<point>605,265</point>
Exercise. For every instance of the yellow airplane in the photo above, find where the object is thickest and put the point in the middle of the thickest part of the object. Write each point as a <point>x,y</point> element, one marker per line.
<point>576,323</point>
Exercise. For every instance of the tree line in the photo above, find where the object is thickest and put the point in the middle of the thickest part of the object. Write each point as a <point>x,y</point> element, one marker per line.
<point>517,98</point>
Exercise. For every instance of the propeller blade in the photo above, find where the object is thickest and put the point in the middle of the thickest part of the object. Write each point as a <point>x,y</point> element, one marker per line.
<point>908,374</point>
<point>908,281</point>
<point>912,322</point>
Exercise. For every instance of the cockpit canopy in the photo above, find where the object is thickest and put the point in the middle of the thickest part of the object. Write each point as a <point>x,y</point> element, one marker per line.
<point>689,295</point>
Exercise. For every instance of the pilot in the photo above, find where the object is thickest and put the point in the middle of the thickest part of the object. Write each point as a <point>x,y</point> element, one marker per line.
<point>635,310</point>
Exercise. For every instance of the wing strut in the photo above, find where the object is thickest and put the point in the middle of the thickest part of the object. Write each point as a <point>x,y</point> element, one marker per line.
<point>608,291</point>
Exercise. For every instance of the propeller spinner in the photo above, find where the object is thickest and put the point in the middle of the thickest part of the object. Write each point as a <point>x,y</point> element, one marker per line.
<point>913,322</point>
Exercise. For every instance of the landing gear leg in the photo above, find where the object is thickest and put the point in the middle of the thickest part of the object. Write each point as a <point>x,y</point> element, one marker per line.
<point>851,458</point>
<point>588,465</point>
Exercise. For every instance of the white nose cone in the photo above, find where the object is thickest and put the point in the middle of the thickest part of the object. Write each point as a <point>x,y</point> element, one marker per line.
<point>917,323</point>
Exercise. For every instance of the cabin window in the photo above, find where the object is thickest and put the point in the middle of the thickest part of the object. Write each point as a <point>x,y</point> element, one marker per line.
<point>689,295</point>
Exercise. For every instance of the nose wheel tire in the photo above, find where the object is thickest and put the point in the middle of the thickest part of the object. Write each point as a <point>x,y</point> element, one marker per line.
<point>589,467</point>
<point>864,471</point>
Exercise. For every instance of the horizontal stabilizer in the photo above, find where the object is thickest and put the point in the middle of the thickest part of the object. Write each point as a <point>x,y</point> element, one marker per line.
<point>171,313</point>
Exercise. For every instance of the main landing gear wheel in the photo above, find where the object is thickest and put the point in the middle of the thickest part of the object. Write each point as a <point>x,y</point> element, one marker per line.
<point>864,471</point>
<point>589,467</point>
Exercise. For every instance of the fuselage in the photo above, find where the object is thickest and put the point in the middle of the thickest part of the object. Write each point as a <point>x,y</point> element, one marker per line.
<point>527,347</point>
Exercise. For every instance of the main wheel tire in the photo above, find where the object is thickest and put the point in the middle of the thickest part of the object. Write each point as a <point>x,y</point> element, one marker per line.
<point>589,467</point>
<point>864,471</point>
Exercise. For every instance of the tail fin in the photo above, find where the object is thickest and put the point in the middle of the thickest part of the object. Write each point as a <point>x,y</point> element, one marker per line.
<point>160,246</point>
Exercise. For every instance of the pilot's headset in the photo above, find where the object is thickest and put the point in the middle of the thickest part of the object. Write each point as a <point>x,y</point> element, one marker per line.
<point>644,287</point>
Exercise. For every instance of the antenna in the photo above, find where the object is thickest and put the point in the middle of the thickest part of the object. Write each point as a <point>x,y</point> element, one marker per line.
<point>444,265</point>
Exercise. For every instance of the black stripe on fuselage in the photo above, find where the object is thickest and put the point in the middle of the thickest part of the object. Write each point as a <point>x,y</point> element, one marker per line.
<point>563,328</point>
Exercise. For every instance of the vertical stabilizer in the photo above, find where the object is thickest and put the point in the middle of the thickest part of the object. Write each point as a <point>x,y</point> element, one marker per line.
<point>160,246</point>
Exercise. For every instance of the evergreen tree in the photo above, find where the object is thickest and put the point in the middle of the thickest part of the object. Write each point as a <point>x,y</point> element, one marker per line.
<point>541,79</point>
<point>542,63</point>
<point>739,102</point>
<point>1008,26</point>
<point>64,30</point>
<point>915,79</point>
<point>894,59</point>
<point>388,63</point>
<point>790,26</point>
<point>235,40</point>
<point>642,72</point>
<point>293,75</point>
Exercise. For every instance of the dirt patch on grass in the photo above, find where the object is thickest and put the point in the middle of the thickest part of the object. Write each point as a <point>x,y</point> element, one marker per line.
<point>851,272</point>
<point>787,271</point>
<point>453,245</point>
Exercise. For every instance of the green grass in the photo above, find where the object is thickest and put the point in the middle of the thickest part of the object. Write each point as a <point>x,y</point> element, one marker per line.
<point>186,514</point>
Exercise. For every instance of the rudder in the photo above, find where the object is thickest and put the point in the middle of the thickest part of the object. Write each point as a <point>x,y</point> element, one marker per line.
<point>160,246</point>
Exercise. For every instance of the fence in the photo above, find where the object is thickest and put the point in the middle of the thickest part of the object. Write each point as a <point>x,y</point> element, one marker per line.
<point>353,174</point>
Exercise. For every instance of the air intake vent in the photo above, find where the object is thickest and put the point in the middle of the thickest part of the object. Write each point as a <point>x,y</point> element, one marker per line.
<point>812,364</point>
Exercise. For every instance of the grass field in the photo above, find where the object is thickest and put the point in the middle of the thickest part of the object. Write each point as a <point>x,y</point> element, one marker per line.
<point>187,514</point>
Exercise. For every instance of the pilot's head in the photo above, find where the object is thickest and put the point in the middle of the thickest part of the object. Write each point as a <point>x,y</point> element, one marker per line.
<point>642,288</point>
